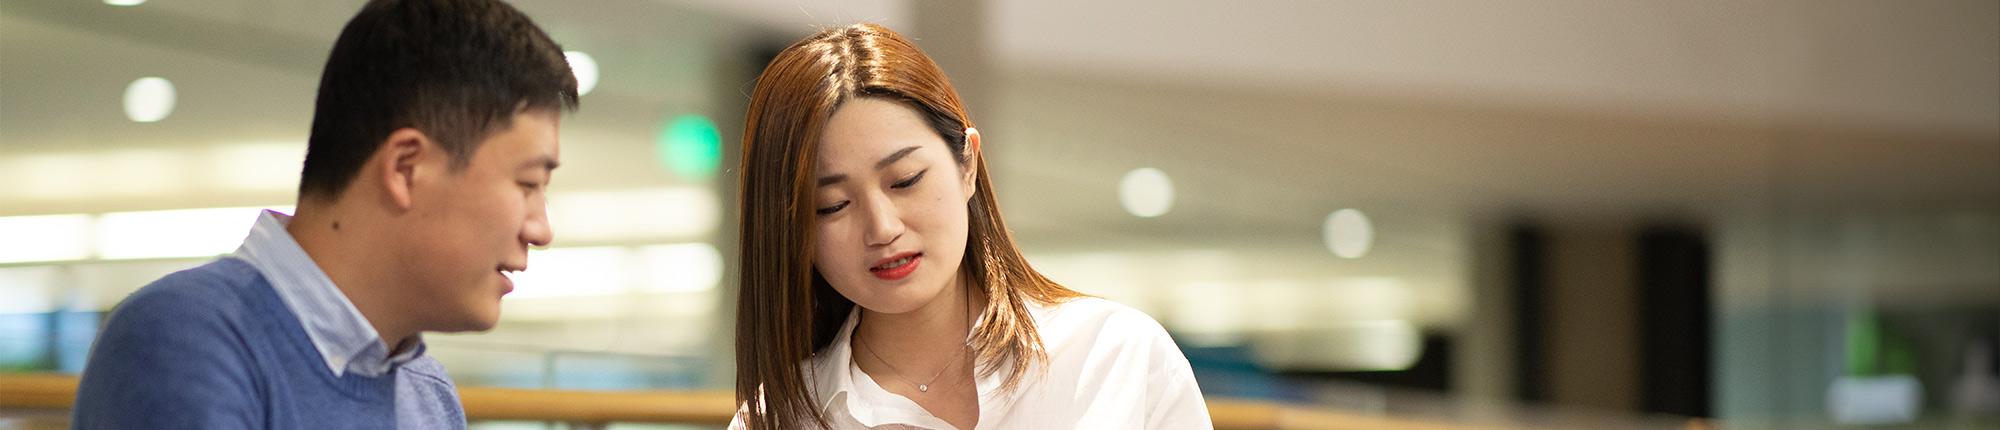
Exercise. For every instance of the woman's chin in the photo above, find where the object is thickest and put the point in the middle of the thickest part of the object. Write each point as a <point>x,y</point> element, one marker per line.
<point>898,302</point>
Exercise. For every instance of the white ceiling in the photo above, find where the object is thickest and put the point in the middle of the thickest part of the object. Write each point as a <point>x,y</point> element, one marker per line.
<point>1923,64</point>
<point>1267,114</point>
<point>1433,117</point>
<point>1929,64</point>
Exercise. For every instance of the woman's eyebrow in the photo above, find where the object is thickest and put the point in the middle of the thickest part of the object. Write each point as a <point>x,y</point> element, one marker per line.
<point>891,159</point>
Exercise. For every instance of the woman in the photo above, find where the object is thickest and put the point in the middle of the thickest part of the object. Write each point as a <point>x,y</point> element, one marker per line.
<point>880,286</point>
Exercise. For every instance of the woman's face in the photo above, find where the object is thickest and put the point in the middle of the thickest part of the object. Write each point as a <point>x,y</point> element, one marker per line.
<point>890,203</point>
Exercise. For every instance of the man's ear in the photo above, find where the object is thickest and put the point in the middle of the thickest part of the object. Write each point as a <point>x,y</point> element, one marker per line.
<point>398,160</point>
<point>971,180</point>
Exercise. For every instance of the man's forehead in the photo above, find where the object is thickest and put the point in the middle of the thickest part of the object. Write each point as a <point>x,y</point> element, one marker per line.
<point>530,136</point>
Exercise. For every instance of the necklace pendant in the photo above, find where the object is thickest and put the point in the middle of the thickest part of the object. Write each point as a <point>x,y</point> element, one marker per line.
<point>923,388</point>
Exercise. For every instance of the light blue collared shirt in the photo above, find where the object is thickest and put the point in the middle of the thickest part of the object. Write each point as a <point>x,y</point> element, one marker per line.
<point>344,337</point>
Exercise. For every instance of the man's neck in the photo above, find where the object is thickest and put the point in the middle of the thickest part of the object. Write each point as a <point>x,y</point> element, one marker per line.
<point>338,244</point>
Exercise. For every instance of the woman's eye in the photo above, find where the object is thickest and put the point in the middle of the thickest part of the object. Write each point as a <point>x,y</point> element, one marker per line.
<point>829,210</point>
<point>906,183</point>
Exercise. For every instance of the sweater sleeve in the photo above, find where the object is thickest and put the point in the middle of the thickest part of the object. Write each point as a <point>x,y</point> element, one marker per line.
<point>426,398</point>
<point>168,358</point>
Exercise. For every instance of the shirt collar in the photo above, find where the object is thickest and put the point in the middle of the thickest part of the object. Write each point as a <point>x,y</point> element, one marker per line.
<point>843,389</point>
<point>337,329</point>
<point>829,368</point>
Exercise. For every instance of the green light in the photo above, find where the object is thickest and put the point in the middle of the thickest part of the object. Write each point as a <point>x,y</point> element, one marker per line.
<point>1864,337</point>
<point>691,146</point>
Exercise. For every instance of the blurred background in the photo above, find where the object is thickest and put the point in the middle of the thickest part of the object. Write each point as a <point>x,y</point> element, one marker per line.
<point>1771,214</point>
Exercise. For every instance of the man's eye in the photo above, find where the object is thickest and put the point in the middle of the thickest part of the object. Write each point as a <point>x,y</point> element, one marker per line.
<point>906,183</point>
<point>829,210</point>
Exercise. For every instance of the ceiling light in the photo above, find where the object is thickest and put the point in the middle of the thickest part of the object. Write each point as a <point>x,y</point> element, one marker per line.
<point>585,69</point>
<point>637,215</point>
<point>1348,233</point>
<point>179,233</point>
<point>45,238</point>
<point>149,99</point>
<point>1146,192</point>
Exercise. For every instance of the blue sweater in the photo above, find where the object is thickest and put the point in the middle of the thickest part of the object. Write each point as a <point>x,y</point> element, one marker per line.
<point>213,347</point>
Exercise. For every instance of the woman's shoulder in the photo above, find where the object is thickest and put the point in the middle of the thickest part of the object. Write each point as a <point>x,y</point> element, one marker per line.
<point>1096,308</point>
<point>1104,321</point>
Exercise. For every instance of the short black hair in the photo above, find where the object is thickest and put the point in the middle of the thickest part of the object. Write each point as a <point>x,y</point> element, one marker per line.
<point>457,70</point>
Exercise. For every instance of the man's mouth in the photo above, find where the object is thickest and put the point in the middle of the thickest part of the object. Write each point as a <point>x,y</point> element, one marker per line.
<point>507,274</point>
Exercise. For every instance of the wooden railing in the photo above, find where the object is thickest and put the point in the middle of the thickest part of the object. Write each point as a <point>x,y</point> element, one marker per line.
<point>57,392</point>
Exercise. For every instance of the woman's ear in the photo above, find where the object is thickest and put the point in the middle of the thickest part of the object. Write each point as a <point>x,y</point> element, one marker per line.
<point>971,180</point>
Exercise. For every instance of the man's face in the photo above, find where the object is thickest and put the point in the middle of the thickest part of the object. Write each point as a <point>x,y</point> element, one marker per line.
<point>471,225</point>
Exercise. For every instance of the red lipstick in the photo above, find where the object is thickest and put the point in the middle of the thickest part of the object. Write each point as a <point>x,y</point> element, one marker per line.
<point>897,267</point>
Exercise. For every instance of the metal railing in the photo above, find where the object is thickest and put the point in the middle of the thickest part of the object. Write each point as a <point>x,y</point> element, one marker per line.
<point>50,396</point>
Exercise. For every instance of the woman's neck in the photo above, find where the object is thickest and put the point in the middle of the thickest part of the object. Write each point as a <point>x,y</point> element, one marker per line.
<point>926,337</point>
<point>922,356</point>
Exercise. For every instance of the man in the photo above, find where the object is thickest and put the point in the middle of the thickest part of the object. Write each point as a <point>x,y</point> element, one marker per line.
<point>433,137</point>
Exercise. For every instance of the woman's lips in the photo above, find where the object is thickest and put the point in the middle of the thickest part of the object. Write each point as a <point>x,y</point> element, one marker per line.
<point>897,267</point>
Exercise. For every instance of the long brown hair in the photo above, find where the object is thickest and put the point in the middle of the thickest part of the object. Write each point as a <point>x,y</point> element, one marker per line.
<point>787,311</point>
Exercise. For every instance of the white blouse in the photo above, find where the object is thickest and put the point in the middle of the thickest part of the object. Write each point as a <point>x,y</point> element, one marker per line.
<point>1109,366</point>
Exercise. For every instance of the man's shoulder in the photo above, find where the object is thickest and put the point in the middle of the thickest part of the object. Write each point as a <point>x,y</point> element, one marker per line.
<point>216,291</point>
<point>428,370</point>
<point>220,279</point>
<point>177,354</point>
<point>426,397</point>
